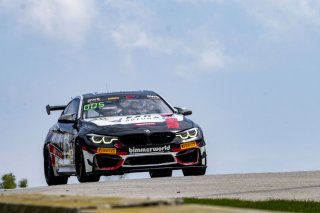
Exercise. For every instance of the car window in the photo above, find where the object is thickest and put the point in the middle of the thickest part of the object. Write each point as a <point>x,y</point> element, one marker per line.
<point>125,106</point>
<point>72,107</point>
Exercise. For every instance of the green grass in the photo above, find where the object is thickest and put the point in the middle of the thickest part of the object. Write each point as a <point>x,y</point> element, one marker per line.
<point>273,205</point>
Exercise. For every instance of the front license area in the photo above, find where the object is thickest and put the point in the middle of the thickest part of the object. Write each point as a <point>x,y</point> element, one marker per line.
<point>188,145</point>
<point>106,151</point>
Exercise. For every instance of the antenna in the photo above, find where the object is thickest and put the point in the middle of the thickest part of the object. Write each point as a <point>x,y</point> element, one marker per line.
<point>107,87</point>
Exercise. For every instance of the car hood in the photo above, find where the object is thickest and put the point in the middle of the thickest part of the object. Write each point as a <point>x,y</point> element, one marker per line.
<point>121,125</point>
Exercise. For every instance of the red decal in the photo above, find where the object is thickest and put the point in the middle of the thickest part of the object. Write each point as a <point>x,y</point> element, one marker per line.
<point>172,123</point>
<point>118,145</point>
<point>145,124</point>
<point>130,97</point>
<point>54,151</point>
<point>175,150</point>
<point>51,148</point>
<point>122,153</point>
<point>166,114</point>
<point>119,164</point>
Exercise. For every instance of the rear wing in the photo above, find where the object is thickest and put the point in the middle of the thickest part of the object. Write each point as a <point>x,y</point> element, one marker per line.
<point>54,108</point>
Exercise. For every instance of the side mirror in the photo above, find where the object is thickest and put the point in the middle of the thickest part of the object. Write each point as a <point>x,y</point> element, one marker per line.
<point>183,111</point>
<point>67,118</point>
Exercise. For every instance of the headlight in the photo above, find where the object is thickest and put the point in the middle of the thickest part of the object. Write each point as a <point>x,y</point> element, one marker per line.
<point>189,134</point>
<point>98,139</point>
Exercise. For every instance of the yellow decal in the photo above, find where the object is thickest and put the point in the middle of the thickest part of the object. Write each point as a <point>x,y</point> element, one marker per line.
<point>113,98</point>
<point>107,150</point>
<point>188,145</point>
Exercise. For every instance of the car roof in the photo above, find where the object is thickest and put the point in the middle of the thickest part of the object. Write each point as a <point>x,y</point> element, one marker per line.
<point>122,93</point>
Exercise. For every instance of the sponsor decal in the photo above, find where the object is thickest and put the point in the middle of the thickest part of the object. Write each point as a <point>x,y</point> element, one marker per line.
<point>166,114</point>
<point>62,146</point>
<point>149,149</point>
<point>93,106</point>
<point>188,145</point>
<point>153,96</point>
<point>172,123</point>
<point>150,119</point>
<point>94,100</point>
<point>113,98</point>
<point>107,150</point>
<point>137,118</point>
<point>145,124</point>
<point>114,120</point>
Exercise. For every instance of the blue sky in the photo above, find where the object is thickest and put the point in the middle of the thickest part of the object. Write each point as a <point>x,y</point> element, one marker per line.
<point>248,69</point>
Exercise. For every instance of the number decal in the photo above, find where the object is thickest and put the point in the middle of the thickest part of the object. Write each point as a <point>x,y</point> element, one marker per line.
<point>93,106</point>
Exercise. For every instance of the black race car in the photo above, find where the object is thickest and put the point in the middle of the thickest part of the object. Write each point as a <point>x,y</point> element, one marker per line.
<point>121,132</point>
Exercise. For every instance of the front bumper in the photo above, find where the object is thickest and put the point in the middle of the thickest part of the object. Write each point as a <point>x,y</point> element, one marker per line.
<point>122,162</point>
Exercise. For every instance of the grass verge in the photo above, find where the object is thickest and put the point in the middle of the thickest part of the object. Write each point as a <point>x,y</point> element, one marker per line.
<point>273,205</point>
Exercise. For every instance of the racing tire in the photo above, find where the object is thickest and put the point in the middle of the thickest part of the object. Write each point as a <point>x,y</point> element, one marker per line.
<point>82,176</point>
<point>160,173</point>
<point>51,179</point>
<point>194,171</point>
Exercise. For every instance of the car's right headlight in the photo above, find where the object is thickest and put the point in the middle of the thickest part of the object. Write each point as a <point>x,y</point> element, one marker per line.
<point>98,139</point>
<point>190,134</point>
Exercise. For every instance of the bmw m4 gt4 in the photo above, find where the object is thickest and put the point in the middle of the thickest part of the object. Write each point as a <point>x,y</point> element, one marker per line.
<point>122,132</point>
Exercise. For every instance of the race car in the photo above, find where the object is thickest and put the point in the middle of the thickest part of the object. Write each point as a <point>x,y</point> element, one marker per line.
<point>102,134</point>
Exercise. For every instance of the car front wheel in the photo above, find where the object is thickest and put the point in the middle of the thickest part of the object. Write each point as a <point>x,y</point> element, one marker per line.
<point>82,176</point>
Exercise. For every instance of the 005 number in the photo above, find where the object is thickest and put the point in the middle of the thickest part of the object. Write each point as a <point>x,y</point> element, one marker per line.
<point>93,106</point>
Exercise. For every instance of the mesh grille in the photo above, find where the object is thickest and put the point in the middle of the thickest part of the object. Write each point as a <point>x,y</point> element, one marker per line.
<point>161,138</point>
<point>134,139</point>
<point>103,161</point>
<point>149,160</point>
<point>144,139</point>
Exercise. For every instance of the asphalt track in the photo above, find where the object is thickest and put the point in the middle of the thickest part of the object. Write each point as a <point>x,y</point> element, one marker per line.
<point>260,186</point>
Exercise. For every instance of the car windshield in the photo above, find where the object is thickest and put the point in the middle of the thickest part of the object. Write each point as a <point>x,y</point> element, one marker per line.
<point>123,106</point>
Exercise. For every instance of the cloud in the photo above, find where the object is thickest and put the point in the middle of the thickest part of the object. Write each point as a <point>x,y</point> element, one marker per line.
<point>197,55</point>
<point>285,19</point>
<point>58,19</point>
<point>203,53</point>
<point>132,10</point>
<point>130,26</point>
<point>279,17</point>
<point>202,61</point>
<point>197,2</point>
<point>130,36</point>
<point>133,30</point>
<point>211,59</point>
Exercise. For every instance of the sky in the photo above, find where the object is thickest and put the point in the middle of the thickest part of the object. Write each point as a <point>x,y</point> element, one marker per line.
<point>248,69</point>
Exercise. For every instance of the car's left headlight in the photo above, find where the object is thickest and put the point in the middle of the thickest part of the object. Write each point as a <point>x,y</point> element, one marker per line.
<point>190,134</point>
<point>98,139</point>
